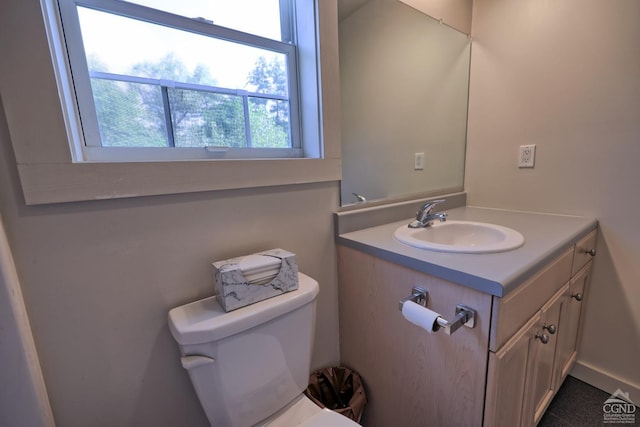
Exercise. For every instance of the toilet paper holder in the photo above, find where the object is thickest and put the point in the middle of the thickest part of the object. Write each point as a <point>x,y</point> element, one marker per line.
<point>465,316</point>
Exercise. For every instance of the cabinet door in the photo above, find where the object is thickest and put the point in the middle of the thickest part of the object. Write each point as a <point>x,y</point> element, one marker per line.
<point>511,369</point>
<point>549,329</point>
<point>571,320</point>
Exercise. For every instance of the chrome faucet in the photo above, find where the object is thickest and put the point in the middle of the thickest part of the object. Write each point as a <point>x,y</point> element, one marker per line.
<point>424,217</point>
<point>360,198</point>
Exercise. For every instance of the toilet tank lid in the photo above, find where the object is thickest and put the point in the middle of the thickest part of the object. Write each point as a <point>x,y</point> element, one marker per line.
<point>206,321</point>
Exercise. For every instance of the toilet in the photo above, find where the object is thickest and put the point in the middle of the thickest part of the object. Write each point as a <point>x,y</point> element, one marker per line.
<point>250,366</point>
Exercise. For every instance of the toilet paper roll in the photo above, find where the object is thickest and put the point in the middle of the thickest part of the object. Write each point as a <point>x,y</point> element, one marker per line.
<point>420,316</point>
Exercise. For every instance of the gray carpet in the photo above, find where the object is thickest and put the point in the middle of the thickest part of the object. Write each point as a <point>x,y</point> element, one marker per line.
<point>578,404</point>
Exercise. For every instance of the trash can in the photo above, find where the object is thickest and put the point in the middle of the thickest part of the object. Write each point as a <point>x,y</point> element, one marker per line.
<point>339,389</point>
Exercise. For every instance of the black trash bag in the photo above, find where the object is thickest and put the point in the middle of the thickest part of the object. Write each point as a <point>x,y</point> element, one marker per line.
<point>339,389</point>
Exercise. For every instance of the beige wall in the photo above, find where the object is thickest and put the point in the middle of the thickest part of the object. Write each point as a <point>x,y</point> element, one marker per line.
<point>23,397</point>
<point>566,77</point>
<point>99,278</point>
<point>456,13</point>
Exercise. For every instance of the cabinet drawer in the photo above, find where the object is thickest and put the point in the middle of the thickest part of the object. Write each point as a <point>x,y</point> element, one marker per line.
<point>512,311</point>
<point>582,253</point>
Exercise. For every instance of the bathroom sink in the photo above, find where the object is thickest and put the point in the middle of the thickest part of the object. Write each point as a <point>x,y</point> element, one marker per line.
<point>465,237</point>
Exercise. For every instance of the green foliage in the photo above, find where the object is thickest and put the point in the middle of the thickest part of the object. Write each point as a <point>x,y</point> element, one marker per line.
<point>271,77</point>
<point>265,131</point>
<point>121,117</point>
<point>133,114</point>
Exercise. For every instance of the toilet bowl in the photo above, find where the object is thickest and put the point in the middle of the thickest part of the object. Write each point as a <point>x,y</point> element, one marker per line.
<point>250,366</point>
<point>303,412</point>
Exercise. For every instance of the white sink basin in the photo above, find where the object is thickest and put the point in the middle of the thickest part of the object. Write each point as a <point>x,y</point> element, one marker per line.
<point>465,237</point>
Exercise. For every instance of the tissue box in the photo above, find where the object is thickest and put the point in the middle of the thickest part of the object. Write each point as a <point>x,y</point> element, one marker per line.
<point>234,290</point>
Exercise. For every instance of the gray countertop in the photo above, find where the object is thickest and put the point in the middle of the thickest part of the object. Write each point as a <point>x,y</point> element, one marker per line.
<point>546,237</point>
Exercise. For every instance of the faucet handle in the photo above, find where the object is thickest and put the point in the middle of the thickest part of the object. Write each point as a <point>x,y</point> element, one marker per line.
<point>428,206</point>
<point>425,210</point>
<point>360,198</point>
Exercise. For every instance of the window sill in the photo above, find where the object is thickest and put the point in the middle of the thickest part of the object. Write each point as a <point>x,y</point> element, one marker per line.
<point>67,182</point>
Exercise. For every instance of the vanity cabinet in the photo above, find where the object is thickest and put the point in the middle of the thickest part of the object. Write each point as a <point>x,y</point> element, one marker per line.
<point>541,353</point>
<point>503,372</point>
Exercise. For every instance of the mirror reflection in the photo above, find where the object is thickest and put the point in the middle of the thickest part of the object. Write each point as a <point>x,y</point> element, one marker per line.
<point>404,81</point>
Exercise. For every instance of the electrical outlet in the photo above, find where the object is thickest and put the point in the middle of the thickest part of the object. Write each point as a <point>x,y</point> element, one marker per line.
<point>527,156</point>
<point>418,162</point>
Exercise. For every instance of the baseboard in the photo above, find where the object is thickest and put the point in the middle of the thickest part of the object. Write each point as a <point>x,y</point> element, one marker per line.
<point>604,380</point>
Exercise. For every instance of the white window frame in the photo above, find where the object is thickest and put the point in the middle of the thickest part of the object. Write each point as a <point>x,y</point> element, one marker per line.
<point>89,143</point>
<point>35,103</point>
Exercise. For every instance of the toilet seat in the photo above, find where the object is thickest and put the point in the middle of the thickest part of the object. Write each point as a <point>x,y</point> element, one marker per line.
<point>303,412</point>
<point>328,418</point>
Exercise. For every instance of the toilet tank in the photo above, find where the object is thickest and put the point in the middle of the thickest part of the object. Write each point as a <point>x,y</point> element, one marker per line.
<point>247,364</point>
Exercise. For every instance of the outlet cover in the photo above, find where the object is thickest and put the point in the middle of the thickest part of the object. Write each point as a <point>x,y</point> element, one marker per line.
<point>527,156</point>
<point>418,162</point>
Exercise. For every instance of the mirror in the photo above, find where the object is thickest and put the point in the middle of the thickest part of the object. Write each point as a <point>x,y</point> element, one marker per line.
<point>404,79</point>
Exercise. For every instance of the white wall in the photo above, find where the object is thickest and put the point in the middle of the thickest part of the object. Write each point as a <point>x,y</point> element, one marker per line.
<point>100,277</point>
<point>565,75</point>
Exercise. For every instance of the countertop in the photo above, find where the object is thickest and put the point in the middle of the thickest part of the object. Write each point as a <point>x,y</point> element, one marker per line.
<point>546,237</point>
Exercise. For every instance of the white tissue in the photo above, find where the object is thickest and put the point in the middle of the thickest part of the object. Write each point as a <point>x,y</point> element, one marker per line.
<point>420,316</point>
<point>259,269</point>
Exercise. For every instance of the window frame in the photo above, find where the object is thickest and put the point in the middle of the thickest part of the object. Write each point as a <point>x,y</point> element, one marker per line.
<point>89,143</point>
<point>40,131</point>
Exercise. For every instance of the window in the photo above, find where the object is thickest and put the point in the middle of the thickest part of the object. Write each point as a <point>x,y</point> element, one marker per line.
<point>195,79</point>
<point>44,123</point>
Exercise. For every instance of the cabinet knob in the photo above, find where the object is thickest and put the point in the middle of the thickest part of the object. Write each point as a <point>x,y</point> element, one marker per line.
<point>591,252</point>
<point>577,297</point>
<point>550,328</point>
<point>544,338</point>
